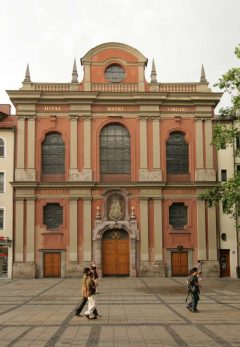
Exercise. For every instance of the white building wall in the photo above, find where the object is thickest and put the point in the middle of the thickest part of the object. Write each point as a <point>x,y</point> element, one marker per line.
<point>227,224</point>
<point>6,198</point>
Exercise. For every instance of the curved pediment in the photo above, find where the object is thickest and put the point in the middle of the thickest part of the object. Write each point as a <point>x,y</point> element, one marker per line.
<point>113,50</point>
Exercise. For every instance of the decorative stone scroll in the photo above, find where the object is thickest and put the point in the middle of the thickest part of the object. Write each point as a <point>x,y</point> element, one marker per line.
<point>25,175</point>
<point>84,175</point>
<point>146,175</point>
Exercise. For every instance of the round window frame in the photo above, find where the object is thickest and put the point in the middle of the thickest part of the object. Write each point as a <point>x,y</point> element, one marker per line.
<point>115,64</point>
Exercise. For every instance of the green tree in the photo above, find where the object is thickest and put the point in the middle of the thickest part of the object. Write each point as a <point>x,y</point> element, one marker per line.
<point>228,192</point>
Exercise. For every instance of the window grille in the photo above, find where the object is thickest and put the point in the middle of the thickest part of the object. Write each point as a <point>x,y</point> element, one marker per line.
<point>53,216</point>
<point>178,215</point>
<point>114,73</point>
<point>238,141</point>
<point>1,147</point>
<point>1,218</point>
<point>115,150</point>
<point>53,155</point>
<point>116,234</point>
<point>177,154</point>
<point>1,182</point>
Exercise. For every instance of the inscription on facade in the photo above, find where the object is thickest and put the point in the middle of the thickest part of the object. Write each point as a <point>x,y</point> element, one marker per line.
<point>115,108</point>
<point>52,191</point>
<point>53,108</point>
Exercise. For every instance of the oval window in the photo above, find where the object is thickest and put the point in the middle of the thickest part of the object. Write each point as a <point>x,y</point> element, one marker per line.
<point>114,73</point>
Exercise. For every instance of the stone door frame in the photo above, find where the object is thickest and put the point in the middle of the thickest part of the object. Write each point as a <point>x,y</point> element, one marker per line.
<point>133,234</point>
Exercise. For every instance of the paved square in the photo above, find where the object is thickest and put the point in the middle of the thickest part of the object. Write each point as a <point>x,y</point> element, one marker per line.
<point>134,312</point>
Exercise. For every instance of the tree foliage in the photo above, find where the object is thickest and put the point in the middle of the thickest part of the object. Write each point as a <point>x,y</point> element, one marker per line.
<point>228,192</point>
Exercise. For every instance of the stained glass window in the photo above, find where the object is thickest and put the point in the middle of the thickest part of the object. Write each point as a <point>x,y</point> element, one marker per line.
<point>53,215</point>
<point>178,215</point>
<point>53,155</point>
<point>177,154</point>
<point>115,150</point>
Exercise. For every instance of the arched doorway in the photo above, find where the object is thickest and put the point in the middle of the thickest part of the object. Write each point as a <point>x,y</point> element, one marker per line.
<point>115,253</point>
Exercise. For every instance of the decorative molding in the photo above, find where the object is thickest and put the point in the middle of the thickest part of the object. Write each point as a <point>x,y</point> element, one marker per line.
<point>153,175</point>
<point>205,175</point>
<point>84,175</point>
<point>25,175</point>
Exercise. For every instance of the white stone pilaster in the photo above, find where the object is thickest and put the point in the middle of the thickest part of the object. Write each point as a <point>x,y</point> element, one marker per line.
<point>30,232</point>
<point>144,256</point>
<point>73,230</point>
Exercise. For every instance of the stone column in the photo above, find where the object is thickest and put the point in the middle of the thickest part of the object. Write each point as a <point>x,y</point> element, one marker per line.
<point>87,230</point>
<point>200,171</point>
<point>31,169</point>
<point>73,230</point>
<point>19,231</point>
<point>20,169</point>
<point>30,233</point>
<point>143,143</point>
<point>210,171</point>
<point>73,142</point>
<point>87,143</point>
<point>212,233</point>
<point>144,229</point>
<point>158,255</point>
<point>156,143</point>
<point>201,230</point>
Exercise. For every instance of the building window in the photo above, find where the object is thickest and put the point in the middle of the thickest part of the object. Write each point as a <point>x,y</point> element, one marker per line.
<point>223,145</point>
<point>115,150</point>
<point>224,206</point>
<point>2,148</point>
<point>238,142</point>
<point>223,175</point>
<point>114,73</point>
<point>1,218</point>
<point>178,215</point>
<point>238,169</point>
<point>1,182</point>
<point>53,216</point>
<point>53,155</point>
<point>177,154</point>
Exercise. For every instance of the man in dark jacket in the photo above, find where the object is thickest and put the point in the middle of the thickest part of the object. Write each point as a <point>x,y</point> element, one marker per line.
<point>193,288</point>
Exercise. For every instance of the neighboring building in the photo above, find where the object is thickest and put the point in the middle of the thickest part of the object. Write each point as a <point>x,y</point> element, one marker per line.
<point>229,240</point>
<point>111,169</point>
<point>7,132</point>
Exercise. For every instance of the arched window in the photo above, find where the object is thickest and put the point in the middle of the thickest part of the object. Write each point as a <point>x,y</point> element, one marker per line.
<point>177,154</point>
<point>53,155</point>
<point>2,149</point>
<point>115,155</point>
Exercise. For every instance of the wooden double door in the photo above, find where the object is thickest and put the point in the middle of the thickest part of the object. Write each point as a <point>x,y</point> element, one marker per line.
<point>224,263</point>
<point>179,263</point>
<point>115,253</point>
<point>52,264</point>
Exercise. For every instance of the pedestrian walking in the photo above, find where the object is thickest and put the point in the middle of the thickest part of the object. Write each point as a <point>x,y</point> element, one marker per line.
<point>95,276</point>
<point>83,292</point>
<point>91,312</point>
<point>199,268</point>
<point>193,290</point>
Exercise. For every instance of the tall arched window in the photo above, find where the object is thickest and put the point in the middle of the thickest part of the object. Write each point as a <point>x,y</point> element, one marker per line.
<point>115,155</point>
<point>177,154</point>
<point>2,149</point>
<point>53,155</point>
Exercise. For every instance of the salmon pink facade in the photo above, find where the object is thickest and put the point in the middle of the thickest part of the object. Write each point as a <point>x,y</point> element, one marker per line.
<point>110,169</point>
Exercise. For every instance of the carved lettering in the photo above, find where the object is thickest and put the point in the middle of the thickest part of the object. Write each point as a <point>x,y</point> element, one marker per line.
<point>115,108</point>
<point>52,108</point>
<point>177,109</point>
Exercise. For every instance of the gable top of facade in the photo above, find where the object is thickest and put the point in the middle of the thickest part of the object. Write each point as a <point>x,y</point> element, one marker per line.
<point>128,64</point>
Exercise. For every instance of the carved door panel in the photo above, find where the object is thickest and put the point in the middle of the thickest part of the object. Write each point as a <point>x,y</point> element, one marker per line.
<point>52,265</point>
<point>115,255</point>
<point>179,263</point>
<point>109,257</point>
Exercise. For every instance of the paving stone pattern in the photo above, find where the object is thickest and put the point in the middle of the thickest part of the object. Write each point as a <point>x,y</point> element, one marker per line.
<point>133,312</point>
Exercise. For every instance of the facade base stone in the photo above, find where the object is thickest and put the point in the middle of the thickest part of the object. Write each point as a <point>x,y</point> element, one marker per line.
<point>24,270</point>
<point>152,269</point>
<point>210,268</point>
<point>75,270</point>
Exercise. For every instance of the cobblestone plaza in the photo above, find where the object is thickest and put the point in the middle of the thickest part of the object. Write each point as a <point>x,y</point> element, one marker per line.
<point>133,312</point>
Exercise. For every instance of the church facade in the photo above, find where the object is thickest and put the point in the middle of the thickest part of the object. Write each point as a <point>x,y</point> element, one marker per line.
<point>111,169</point>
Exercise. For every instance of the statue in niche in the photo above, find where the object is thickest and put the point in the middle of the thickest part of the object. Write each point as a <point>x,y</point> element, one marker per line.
<point>115,210</point>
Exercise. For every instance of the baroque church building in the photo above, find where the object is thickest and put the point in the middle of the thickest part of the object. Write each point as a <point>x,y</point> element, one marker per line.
<point>111,169</point>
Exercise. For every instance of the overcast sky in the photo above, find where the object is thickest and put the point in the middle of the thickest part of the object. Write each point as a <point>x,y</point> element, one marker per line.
<point>179,34</point>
